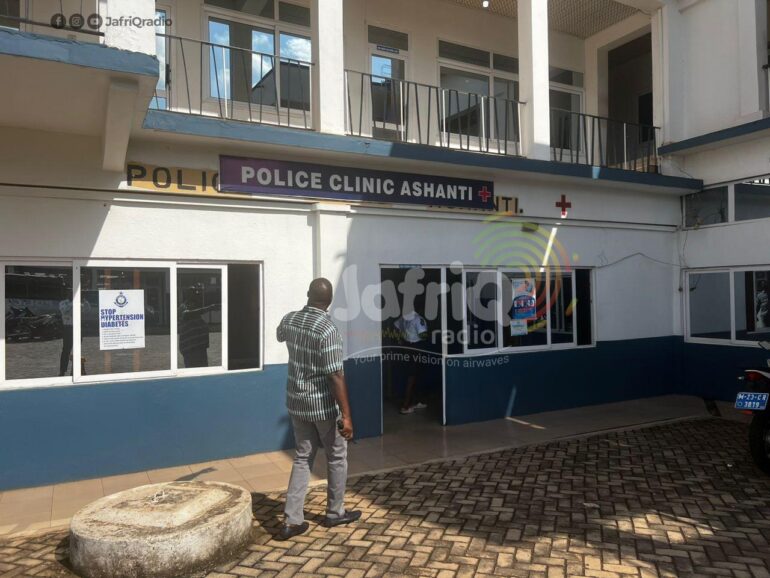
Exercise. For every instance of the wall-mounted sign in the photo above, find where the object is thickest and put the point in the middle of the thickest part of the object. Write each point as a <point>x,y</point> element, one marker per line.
<point>121,319</point>
<point>284,178</point>
<point>172,179</point>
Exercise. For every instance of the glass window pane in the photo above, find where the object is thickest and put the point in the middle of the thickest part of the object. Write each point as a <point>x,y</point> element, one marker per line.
<point>388,38</point>
<point>263,8</point>
<point>505,122</point>
<point>505,63</point>
<point>562,76</point>
<point>151,287</point>
<point>706,207</point>
<point>388,107</point>
<point>463,53</point>
<point>709,295</point>
<point>752,201</point>
<point>562,305</point>
<point>295,73</point>
<point>481,299</point>
<point>244,310</point>
<point>752,307</point>
<point>294,14</point>
<point>38,321</point>
<point>219,60</point>
<point>10,8</point>
<point>525,296</point>
<point>263,86</point>
<point>160,47</point>
<point>199,317</point>
<point>462,94</point>
<point>565,100</point>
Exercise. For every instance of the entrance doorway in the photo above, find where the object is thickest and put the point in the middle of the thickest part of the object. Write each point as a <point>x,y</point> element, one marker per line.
<point>412,362</point>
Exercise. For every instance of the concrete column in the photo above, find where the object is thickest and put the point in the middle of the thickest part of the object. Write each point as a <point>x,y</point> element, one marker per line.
<point>135,32</point>
<point>752,48</point>
<point>328,76</point>
<point>533,78</point>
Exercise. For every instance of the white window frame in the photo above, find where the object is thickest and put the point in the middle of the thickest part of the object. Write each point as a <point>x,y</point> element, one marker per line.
<point>500,327</point>
<point>35,381</point>
<point>175,371</point>
<point>223,367</point>
<point>211,103</point>
<point>402,55</point>
<point>688,338</point>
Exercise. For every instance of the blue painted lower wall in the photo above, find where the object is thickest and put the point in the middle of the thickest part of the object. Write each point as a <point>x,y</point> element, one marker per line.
<point>711,371</point>
<point>519,384</point>
<point>69,433</point>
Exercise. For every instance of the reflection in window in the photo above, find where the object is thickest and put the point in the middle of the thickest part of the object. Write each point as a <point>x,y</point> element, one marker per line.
<point>38,321</point>
<point>10,12</point>
<point>295,71</point>
<point>160,98</point>
<point>219,55</point>
<point>199,317</point>
<point>565,122</point>
<point>462,96</point>
<point>752,201</point>
<point>388,111</point>
<point>481,299</point>
<point>709,297</point>
<point>294,14</point>
<point>263,88</point>
<point>752,305</point>
<point>525,296</point>
<point>706,207</point>
<point>562,307</point>
<point>153,287</point>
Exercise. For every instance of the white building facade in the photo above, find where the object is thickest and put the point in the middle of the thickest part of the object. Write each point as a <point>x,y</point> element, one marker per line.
<point>570,193</point>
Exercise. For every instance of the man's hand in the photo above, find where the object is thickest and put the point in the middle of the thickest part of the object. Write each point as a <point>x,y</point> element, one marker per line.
<point>347,428</point>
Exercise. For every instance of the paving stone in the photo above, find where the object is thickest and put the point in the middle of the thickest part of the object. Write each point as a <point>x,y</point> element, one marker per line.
<point>677,500</point>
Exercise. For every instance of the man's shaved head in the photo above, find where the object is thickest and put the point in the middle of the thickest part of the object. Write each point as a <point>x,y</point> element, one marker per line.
<point>320,293</point>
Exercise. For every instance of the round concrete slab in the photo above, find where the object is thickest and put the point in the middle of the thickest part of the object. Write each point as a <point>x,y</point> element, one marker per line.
<point>160,530</point>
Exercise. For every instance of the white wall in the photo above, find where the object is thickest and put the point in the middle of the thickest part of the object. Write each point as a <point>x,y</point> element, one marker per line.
<point>713,65</point>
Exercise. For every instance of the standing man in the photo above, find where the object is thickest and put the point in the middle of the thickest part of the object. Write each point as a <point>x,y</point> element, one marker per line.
<point>317,400</point>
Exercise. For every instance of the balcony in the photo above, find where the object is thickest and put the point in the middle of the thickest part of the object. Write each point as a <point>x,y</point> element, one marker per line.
<point>227,82</point>
<point>410,112</point>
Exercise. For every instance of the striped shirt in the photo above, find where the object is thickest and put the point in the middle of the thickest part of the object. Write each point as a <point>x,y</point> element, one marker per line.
<point>315,351</point>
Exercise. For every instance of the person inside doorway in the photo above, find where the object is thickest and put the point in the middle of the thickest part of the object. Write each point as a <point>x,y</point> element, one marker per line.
<point>413,331</point>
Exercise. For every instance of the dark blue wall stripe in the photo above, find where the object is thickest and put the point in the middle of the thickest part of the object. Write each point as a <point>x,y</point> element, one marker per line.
<point>711,371</point>
<point>88,54</point>
<point>521,384</point>
<point>212,127</point>
<point>68,433</point>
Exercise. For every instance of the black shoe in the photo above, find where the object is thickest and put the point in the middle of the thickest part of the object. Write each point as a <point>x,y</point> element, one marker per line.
<point>288,531</point>
<point>350,516</point>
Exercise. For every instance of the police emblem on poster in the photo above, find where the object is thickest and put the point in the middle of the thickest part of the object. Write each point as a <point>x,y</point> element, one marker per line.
<point>121,319</point>
<point>524,305</point>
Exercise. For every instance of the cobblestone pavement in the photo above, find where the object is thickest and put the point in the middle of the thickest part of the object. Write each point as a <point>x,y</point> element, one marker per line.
<point>680,499</point>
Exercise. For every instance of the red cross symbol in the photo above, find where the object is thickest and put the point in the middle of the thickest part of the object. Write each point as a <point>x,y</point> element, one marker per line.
<point>564,205</point>
<point>484,194</point>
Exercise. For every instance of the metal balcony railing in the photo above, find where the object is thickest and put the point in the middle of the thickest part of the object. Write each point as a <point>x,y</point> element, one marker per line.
<point>411,112</point>
<point>203,78</point>
<point>599,141</point>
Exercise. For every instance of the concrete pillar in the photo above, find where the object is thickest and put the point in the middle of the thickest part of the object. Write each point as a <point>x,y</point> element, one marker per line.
<point>328,76</point>
<point>533,78</point>
<point>752,48</point>
<point>134,33</point>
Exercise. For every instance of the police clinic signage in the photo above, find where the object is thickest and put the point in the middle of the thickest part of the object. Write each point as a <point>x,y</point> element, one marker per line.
<point>284,178</point>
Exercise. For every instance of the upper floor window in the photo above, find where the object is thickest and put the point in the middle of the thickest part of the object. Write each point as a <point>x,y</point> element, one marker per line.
<point>706,207</point>
<point>10,12</point>
<point>255,59</point>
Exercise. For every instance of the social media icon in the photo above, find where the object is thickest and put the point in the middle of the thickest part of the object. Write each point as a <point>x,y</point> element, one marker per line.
<point>94,21</point>
<point>58,20</point>
<point>77,21</point>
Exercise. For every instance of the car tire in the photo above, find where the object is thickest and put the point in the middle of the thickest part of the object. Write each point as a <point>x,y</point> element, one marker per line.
<point>759,441</point>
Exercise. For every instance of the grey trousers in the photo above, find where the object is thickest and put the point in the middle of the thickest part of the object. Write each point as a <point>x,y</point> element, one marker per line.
<point>309,436</point>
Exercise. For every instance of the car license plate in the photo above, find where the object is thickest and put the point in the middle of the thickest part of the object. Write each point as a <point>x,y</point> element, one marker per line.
<point>755,401</point>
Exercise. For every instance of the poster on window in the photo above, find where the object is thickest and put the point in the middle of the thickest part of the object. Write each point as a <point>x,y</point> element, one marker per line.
<point>524,299</point>
<point>518,327</point>
<point>121,319</point>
